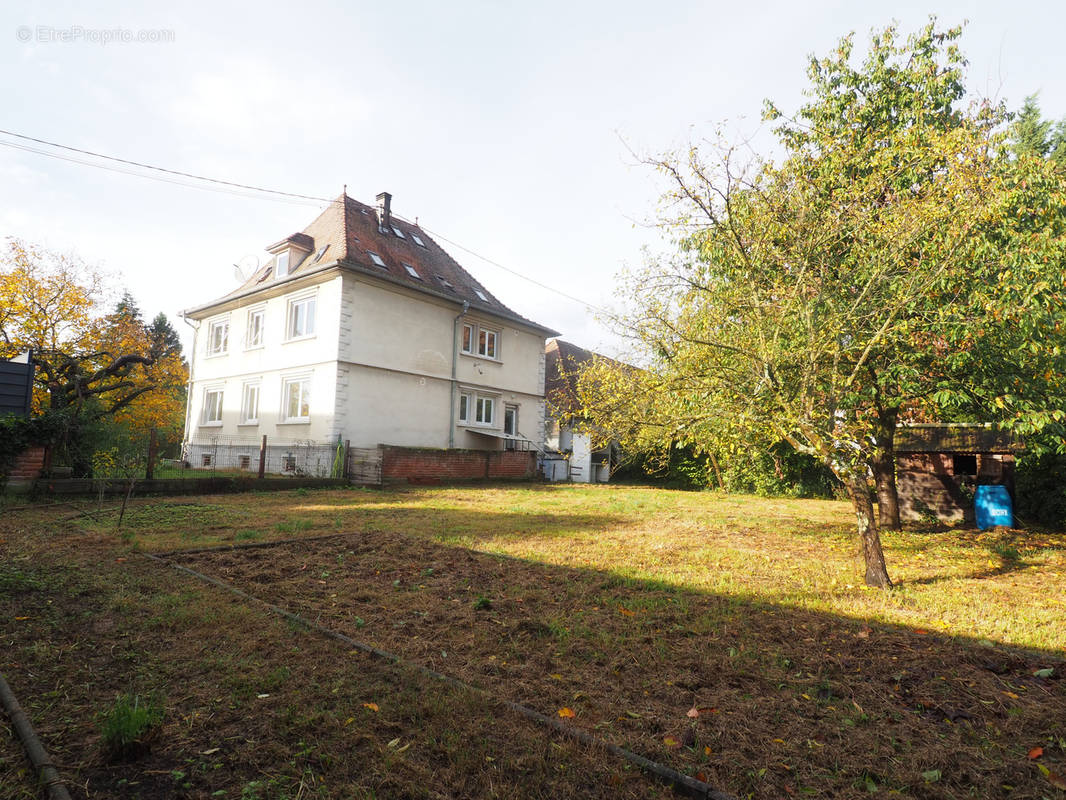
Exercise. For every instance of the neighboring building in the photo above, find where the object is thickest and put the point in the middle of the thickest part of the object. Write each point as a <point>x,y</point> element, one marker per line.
<point>939,467</point>
<point>562,364</point>
<point>363,328</point>
<point>16,385</point>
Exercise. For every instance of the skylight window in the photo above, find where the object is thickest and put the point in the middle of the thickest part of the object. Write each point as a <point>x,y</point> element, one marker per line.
<point>398,232</point>
<point>375,258</point>
<point>411,270</point>
<point>321,252</point>
<point>445,282</point>
<point>417,240</point>
<point>481,295</point>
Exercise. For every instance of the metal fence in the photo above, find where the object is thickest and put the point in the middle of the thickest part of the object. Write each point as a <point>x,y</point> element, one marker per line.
<point>203,457</point>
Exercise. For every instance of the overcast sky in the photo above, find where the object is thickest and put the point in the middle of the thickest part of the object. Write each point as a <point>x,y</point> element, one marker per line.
<point>505,127</point>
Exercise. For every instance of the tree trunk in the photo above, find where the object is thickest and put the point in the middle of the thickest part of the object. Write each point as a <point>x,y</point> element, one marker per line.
<point>869,538</point>
<point>884,469</point>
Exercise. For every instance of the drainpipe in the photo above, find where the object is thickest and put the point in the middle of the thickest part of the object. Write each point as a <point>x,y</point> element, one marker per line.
<point>192,361</point>
<point>455,384</point>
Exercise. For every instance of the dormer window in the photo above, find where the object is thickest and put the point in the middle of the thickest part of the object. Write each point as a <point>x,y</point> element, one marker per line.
<point>281,264</point>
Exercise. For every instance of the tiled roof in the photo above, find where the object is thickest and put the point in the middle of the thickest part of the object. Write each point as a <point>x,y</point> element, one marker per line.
<point>347,233</point>
<point>955,439</point>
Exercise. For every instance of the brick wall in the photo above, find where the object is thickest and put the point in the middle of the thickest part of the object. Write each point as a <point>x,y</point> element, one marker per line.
<point>426,465</point>
<point>29,464</point>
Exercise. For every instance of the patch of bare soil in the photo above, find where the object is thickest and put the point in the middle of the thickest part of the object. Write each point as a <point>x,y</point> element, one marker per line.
<point>254,707</point>
<point>758,700</point>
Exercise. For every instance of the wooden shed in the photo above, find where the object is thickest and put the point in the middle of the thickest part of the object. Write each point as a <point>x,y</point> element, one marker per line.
<point>939,467</point>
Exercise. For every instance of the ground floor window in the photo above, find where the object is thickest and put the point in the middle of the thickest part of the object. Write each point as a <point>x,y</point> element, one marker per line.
<point>296,399</point>
<point>477,409</point>
<point>212,413</point>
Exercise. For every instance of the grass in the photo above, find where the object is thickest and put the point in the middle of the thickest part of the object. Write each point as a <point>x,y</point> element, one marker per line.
<point>798,553</point>
<point>726,636</point>
<point>127,725</point>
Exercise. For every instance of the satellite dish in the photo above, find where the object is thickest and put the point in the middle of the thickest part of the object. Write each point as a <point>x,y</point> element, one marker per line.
<point>245,268</point>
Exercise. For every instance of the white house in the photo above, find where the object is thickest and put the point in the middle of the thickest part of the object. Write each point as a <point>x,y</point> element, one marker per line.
<point>563,431</point>
<point>363,328</point>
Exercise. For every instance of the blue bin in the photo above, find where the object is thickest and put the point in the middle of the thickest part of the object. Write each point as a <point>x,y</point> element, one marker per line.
<point>993,507</point>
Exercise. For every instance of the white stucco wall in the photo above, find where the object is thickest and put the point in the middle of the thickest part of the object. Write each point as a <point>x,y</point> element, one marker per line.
<point>270,364</point>
<point>380,362</point>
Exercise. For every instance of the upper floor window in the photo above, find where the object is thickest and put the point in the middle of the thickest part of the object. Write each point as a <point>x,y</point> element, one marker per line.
<point>418,240</point>
<point>255,328</point>
<point>212,411</point>
<point>281,264</point>
<point>301,318</point>
<point>479,341</point>
<point>218,337</point>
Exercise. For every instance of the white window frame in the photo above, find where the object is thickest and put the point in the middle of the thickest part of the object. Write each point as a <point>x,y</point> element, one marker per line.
<point>377,259</point>
<point>473,404</point>
<point>223,326</point>
<point>249,387</point>
<point>483,335</point>
<point>207,407</point>
<point>282,261</point>
<point>253,314</point>
<point>290,317</point>
<point>470,342</point>
<point>418,240</point>
<point>513,410</point>
<point>305,397</point>
<point>411,271</point>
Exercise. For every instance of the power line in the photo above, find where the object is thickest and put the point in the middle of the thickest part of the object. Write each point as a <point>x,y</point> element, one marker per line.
<point>243,190</point>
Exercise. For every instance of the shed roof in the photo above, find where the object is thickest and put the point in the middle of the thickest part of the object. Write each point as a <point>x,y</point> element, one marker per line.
<point>955,438</point>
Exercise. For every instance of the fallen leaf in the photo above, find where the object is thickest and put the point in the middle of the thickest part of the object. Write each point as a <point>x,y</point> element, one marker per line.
<point>555,676</point>
<point>263,696</point>
<point>1036,752</point>
<point>692,712</point>
<point>701,776</point>
<point>210,752</point>
<point>1011,695</point>
<point>708,709</point>
<point>1044,673</point>
<point>779,741</point>
<point>670,741</point>
<point>633,714</point>
<point>371,706</point>
<point>394,742</point>
<point>706,751</point>
<point>921,631</point>
<point>625,612</point>
<point>567,712</point>
<point>1056,780</point>
<point>932,776</point>
<point>21,619</point>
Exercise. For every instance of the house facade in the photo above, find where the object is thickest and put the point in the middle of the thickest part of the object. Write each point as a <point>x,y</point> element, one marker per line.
<point>362,328</point>
<point>582,462</point>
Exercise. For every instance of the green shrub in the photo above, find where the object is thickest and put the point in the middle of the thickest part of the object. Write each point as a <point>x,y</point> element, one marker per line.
<point>1040,488</point>
<point>128,725</point>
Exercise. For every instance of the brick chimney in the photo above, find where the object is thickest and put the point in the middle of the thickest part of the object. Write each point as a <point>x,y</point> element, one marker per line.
<point>385,212</point>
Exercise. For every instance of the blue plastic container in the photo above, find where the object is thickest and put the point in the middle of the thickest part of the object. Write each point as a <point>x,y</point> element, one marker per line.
<point>993,507</point>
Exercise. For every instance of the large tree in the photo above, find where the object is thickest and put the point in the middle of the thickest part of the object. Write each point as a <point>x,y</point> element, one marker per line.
<point>91,365</point>
<point>892,260</point>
